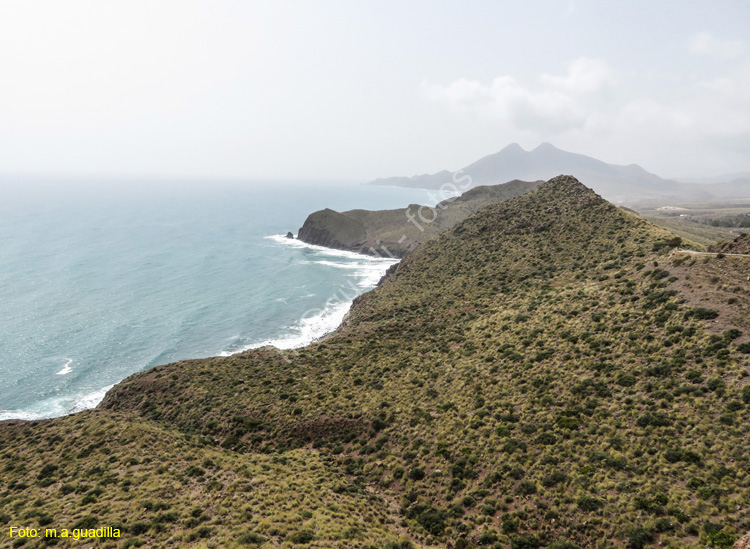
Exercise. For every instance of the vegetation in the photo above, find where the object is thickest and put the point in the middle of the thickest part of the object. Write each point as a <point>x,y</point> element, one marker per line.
<point>547,373</point>
<point>735,221</point>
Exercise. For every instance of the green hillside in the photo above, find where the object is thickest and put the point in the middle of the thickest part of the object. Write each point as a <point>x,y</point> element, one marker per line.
<point>547,373</point>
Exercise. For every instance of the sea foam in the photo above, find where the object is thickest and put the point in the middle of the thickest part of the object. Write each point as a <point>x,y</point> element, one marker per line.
<point>318,322</point>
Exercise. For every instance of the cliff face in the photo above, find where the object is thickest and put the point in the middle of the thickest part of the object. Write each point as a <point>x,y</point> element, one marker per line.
<point>333,230</point>
<point>394,233</point>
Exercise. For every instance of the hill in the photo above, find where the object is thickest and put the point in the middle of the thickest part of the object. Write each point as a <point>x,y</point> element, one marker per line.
<point>616,183</point>
<point>396,232</point>
<point>547,373</point>
<point>739,245</point>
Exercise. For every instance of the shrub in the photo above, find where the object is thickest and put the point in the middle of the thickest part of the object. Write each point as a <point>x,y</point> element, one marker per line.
<point>303,536</point>
<point>195,471</point>
<point>721,539</point>
<point>47,471</point>
<point>663,525</point>
<point>525,542</point>
<point>638,538</point>
<point>733,406</point>
<point>432,520</point>
<point>626,380</point>
<point>655,420</point>
<point>716,384</point>
<point>138,528</point>
<point>554,479</point>
<point>526,488</point>
<point>251,537</point>
<point>417,473</point>
<point>589,504</point>
<point>702,314</point>
<point>86,523</point>
<point>546,439</point>
<point>487,537</point>
<point>744,348</point>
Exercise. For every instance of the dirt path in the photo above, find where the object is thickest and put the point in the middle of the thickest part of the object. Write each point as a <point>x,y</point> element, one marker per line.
<point>693,252</point>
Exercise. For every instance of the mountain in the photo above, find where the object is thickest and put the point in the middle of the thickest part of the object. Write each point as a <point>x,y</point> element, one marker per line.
<point>735,188</point>
<point>738,245</point>
<point>550,372</point>
<point>722,178</point>
<point>393,233</point>
<point>616,183</point>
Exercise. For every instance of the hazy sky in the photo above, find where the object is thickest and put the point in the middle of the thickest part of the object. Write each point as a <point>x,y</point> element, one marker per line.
<point>356,90</point>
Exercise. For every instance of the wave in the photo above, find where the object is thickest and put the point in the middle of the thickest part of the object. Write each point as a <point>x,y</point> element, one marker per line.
<point>294,243</point>
<point>316,323</point>
<point>57,406</point>
<point>66,369</point>
<point>367,269</point>
<point>313,325</point>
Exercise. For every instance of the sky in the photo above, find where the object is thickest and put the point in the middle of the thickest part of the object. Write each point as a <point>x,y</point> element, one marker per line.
<point>353,90</point>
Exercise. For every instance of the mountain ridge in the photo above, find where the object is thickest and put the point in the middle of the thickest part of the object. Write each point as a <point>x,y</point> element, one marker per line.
<point>619,183</point>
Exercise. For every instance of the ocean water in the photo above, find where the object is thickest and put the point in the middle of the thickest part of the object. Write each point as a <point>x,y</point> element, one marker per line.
<point>102,280</point>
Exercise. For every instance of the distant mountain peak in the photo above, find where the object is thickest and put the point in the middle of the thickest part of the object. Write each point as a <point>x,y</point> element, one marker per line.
<point>513,147</point>
<point>612,181</point>
<point>545,146</point>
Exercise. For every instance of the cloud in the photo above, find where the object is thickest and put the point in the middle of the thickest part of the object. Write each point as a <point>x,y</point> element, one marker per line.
<point>554,104</point>
<point>585,76</point>
<point>703,43</point>
<point>593,106</point>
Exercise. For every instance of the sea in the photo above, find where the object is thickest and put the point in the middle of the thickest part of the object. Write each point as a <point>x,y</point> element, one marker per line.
<point>100,279</point>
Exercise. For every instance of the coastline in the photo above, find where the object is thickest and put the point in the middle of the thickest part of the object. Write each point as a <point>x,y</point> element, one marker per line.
<point>308,331</point>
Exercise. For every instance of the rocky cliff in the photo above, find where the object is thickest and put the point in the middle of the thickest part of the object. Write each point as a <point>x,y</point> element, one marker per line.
<point>394,233</point>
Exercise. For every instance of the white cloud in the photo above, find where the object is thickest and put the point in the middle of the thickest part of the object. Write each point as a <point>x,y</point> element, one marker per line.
<point>585,76</point>
<point>593,107</point>
<point>554,104</point>
<point>704,44</point>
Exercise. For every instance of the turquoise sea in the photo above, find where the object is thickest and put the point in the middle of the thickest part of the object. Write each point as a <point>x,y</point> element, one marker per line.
<point>102,279</point>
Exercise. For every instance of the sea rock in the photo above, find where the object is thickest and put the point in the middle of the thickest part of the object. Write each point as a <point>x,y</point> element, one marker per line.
<point>289,235</point>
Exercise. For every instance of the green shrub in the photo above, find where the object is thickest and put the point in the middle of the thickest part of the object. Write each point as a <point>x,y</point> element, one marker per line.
<point>47,471</point>
<point>303,536</point>
<point>702,314</point>
<point>432,520</point>
<point>561,544</point>
<point>138,528</point>
<point>487,537</point>
<point>251,538</point>
<point>638,538</point>
<point>721,539</point>
<point>526,488</point>
<point>416,473</point>
<point>86,523</point>
<point>525,542</point>
<point>589,504</point>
